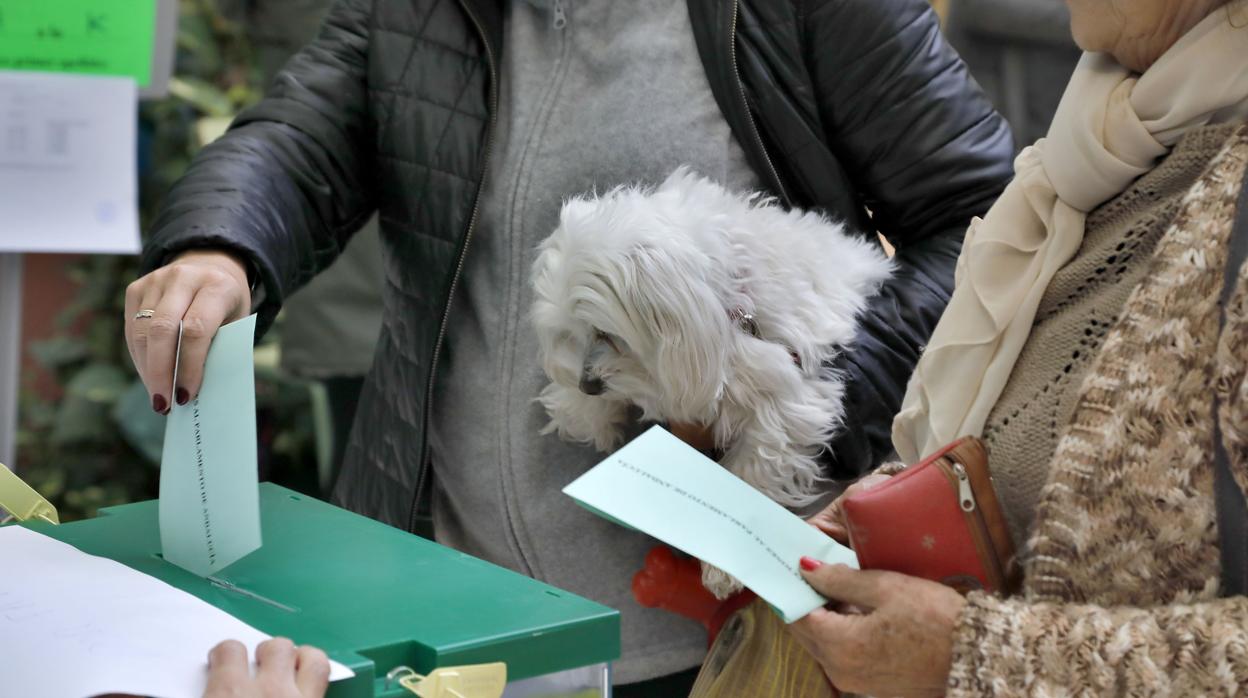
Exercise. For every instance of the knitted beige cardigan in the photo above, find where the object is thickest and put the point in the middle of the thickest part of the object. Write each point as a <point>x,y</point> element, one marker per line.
<point>1120,595</point>
<point>1081,304</point>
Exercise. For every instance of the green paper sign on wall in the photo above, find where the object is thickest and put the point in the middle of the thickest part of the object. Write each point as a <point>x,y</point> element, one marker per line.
<point>94,37</point>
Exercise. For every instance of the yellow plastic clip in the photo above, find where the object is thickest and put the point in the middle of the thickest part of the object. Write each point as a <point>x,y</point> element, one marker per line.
<point>22,501</point>
<point>471,681</point>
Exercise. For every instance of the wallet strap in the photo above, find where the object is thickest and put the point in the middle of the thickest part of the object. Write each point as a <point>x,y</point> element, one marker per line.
<point>1232,511</point>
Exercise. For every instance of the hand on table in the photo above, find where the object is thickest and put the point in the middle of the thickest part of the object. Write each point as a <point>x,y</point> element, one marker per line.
<point>901,644</point>
<point>203,289</point>
<point>282,671</point>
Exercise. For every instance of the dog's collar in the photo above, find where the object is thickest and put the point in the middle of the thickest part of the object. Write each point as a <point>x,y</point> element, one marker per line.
<point>749,325</point>
<point>746,321</point>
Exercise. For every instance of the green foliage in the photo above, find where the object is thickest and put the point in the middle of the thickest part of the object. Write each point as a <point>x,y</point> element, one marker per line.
<point>70,448</point>
<point>99,442</point>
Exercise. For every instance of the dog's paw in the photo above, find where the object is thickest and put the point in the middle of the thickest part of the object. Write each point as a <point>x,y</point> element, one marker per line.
<point>719,582</point>
<point>605,441</point>
<point>580,418</point>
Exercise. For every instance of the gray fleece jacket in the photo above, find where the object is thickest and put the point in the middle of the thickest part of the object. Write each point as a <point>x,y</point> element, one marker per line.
<point>594,93</point>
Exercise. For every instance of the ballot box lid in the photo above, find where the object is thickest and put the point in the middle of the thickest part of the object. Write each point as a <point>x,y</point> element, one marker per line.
<point>374,597</point>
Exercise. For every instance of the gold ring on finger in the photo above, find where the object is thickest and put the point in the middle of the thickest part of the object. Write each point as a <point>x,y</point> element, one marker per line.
<point>144,314</point>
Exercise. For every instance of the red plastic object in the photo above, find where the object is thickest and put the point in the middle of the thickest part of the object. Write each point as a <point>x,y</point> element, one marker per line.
<point>674,583</point>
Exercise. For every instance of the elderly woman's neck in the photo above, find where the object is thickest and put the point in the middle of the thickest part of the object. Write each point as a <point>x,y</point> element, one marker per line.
<point>1140,50</point>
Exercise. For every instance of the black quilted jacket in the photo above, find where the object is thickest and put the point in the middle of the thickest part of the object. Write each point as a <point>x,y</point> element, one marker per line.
<point>846,105</point>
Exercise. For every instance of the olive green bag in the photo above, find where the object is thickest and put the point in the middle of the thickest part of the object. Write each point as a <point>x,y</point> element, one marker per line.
<point>755,655</point>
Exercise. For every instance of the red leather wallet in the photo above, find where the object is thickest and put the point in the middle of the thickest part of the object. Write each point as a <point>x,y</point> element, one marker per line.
<point>939,520</point>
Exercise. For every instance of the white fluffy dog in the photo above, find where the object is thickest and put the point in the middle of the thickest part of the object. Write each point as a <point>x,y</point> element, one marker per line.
<point>696,305</point>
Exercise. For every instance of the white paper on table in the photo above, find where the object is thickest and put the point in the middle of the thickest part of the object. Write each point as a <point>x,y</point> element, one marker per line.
<point>74,625</point>
<point>68,163</point>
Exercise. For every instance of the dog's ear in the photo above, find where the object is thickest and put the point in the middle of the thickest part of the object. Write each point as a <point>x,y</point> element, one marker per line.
<point>687,326</point>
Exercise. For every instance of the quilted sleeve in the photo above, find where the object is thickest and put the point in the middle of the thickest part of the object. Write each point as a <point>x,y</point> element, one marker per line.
<point>927,153</point>
<point>290,182</point>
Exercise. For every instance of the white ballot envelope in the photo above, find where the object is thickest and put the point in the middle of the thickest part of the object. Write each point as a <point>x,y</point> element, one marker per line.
<point>209,491</point>
<point>663,487</point>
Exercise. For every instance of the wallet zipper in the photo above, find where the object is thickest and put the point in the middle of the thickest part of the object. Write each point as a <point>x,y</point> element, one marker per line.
<point>966,497</point>
<point>979,529</point>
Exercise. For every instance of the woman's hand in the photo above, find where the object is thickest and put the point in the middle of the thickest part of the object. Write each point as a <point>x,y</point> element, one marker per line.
<point>832,519</point>
<point>282,671</point>
<point>902,645</point>
<point>202,289</point>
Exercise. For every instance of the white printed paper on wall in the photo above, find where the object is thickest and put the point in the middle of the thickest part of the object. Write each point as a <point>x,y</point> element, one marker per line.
<point>68,170</point>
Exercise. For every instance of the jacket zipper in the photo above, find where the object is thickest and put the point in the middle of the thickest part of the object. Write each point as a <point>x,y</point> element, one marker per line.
<point>758,139</point>
<point>561,15</point>
<point>425,465</point>
<point>979,529</point>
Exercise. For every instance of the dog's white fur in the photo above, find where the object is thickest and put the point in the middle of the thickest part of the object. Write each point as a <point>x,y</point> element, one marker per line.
<point>643,289</point>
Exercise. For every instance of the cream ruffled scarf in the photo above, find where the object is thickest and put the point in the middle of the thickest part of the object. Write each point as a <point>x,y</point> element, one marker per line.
<point>1111,127</point>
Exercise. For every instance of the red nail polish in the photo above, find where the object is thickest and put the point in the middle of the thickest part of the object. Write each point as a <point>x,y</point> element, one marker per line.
<point>810,564</point>
<point>159,404</point>
<point>182,396</point>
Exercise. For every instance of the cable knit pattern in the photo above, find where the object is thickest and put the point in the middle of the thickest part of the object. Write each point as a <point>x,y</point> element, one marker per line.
<point>1121,572</point>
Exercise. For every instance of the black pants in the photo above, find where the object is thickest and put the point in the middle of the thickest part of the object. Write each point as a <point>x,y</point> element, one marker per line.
<point>670,686</point>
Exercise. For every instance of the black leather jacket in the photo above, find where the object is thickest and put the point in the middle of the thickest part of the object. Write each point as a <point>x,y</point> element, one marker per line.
<point>857,107</point>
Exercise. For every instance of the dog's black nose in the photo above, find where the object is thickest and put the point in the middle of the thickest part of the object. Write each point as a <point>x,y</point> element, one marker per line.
<point>592,386</point>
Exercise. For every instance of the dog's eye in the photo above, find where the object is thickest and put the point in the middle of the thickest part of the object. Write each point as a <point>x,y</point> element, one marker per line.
<point>600,336</point>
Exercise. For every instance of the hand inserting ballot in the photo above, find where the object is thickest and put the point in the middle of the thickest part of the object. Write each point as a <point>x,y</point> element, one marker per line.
<point>200,290</point>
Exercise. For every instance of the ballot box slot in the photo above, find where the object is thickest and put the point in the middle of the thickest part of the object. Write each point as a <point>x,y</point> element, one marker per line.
<point>231,587</point>
<point>235,589</point>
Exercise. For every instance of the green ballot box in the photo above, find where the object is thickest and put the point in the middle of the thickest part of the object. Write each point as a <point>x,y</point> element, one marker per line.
<point>377,598</point>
